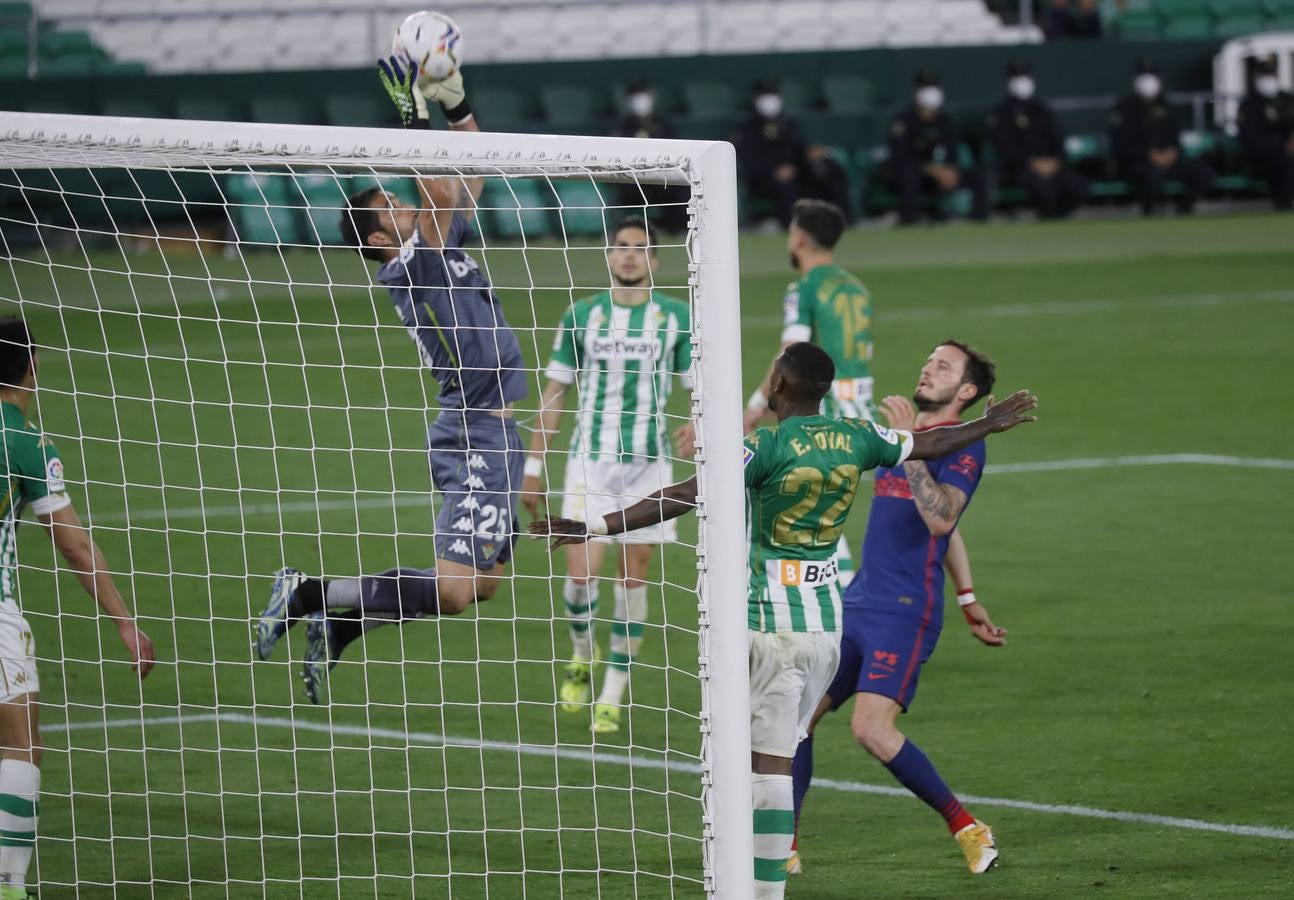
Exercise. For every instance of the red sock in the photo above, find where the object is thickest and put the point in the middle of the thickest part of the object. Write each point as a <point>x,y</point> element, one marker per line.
<point>956,816</point>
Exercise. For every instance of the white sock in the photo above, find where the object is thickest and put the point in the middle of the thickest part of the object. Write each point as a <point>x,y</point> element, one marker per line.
<point>774,832</point>
<point>626,638</point>
<point>19,793</point>
<point>581,605</point>
<point>845,559</point>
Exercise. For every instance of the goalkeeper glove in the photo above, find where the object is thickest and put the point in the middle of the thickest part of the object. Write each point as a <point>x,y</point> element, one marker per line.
<point>402,87</point>
<point>451,96</point>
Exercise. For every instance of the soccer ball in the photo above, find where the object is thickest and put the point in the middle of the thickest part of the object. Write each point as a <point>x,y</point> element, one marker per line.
<point>431,40</point>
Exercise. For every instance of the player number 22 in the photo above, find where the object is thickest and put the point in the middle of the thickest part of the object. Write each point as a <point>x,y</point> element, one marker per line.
<point>790,529</point>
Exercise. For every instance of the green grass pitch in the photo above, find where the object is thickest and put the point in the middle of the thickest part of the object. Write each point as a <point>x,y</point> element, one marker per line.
<point>262,415</point>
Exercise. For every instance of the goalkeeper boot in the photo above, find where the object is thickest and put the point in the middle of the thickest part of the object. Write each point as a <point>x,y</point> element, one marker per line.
<point>319,660</point>
<point>273,623</point>
<point>577,687</point>
<point>606,718</point>
<point>978,847</point>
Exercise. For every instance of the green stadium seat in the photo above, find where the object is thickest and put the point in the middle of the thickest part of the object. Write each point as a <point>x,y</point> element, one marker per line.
<point>261,209</point>
<point>15,10</point>
<point>358,110</point>
<point>282,110</point>
<point>581,205</point>
<point>711,99</point>
<point>1280,13</point>
<point>847,93</point>
<point>1197,143</point>
<point>13,42</point>
<point>1137,25</point>
<point>1187,28</point>
<point>134,108</point>
<point>501,104</point>
<point>568,104</point>
<point>66,103</point>
<point>797,96</point>
<point>514,208</point>
<point>54,44</point>
<point>119,67</point>
<point>325,198</point>
<point>208,109</point>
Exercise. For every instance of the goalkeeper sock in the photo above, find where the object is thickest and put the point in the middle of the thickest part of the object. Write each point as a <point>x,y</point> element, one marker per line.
<point>626,638</point>
<point>915,772</point>
<point>774,832</point>
<point>581,600</point>
<point>19,790</point>
<point>395,594</point>
<point>802,773</point>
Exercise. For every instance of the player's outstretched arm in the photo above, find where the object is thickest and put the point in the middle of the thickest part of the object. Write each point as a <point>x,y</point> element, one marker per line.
<point>667,503</point>
<point>91,569</point>
<point>998,417</point>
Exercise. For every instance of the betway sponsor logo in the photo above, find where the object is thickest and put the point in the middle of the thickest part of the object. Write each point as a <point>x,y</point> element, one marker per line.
<point>643,348</point>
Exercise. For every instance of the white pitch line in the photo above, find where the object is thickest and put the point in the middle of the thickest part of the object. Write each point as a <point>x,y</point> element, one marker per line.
<point>413,499</point>
<point>606,757</point>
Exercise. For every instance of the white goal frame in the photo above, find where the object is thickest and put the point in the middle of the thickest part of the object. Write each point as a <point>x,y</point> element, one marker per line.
<point>29,140</point>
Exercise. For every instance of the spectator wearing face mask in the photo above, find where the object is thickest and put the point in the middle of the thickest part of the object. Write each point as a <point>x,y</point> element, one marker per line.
<point>776,162</point>
<point>666,205</point>
<point>923,155</point>
<point>1267,132</point>
<point>1031,149</point>
<point>1145,140</point>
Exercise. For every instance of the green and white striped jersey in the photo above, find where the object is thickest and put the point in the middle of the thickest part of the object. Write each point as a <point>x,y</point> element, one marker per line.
<point>802,477</point>
<point>624,359</point>
<point>33,476</point>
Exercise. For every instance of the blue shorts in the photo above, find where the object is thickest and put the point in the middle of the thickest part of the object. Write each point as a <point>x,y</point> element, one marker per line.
<point>477,462</point>
<point>882,654</point>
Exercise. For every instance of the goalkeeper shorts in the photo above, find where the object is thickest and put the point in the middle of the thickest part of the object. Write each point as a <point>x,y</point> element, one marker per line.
<point>477,459</point>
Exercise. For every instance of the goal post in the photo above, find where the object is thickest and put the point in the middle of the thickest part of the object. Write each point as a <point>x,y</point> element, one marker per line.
<point>107,228</point>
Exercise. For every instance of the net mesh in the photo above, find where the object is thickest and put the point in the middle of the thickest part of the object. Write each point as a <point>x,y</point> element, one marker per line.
<point>231,391</point>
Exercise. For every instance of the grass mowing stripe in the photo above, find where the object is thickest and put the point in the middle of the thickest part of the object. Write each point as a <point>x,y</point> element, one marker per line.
<point>416,498</point>
<point>1062,307</point>
<point>590,755</point>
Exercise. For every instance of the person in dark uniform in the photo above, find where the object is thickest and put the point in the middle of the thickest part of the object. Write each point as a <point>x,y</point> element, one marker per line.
<point>666,204</point>
<point>1267,132</point>
<point>923,155</point>
<point>776,162</point>
<point>1145,140</point>
<point>1031,149</point>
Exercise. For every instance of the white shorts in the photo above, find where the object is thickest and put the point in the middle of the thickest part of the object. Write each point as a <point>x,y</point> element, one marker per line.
<point>17,655</point>
<point>595,487</point>
<point>789,674</point>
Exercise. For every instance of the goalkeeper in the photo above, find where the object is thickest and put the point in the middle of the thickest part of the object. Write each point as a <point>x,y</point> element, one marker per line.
<point>33,472</point>
<point>802,477</point>
<point>476,454</point>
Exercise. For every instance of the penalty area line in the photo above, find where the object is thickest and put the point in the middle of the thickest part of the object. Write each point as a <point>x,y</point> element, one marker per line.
<point>628,760</point>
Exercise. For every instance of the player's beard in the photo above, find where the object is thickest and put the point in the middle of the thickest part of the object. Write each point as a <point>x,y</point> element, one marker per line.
<point>623,282</point>
<point>927,403</point>
<point>795,261</point>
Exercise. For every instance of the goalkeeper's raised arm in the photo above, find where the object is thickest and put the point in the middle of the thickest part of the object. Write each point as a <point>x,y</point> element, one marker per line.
<point>442,196</point>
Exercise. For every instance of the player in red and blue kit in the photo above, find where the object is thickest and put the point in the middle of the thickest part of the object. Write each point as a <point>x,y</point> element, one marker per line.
<point>893,610</point>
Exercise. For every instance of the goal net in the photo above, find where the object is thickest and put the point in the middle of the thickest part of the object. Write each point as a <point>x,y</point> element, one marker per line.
<point>231,391</point>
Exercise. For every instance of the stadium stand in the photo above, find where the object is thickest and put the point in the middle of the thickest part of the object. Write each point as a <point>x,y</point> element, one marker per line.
<point>233,35</point>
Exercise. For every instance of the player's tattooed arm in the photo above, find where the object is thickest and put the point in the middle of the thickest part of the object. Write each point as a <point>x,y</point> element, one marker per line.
<point>938,504</point>
<point>668,503</point>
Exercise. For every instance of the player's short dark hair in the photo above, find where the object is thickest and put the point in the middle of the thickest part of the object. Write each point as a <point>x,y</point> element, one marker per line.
<point>15,350</point>
<point>640,223</point>
<point>358,220</point>
<point>808,370</point>
<point>980,370</point>
<point>822,221</point>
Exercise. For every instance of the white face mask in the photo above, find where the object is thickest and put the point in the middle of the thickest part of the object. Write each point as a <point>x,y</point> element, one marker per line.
<point>1020,87</point>
<point>930,97</point>
<point>1267,85</point>
<point>769,105</point>
<point>1146,86</point>
<point>641,104</point>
